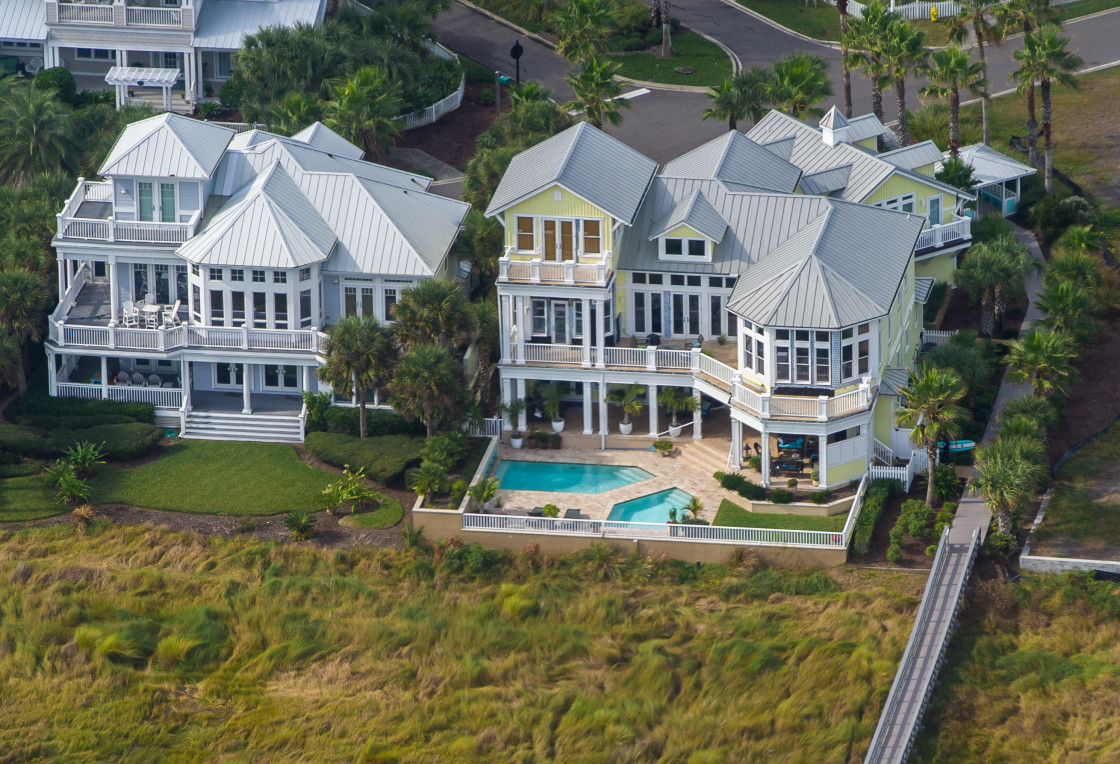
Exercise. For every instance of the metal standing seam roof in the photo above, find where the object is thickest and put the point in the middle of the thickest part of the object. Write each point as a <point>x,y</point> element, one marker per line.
<point>224,24</point>
<point>923,285</point>
<point>894,381</point>
<point>864,127</point>
<point>169,145</point>
<point>913,157</point>
<point>319,136</point>
<point>269,224</point>
<point>783,147</point>
<point>735,158</point>
<point>591,164</point>
<point>826,181</point>
<point>990,166</point>
<point>833,119</point>
<point>23,20</point>
<point>696,212</point>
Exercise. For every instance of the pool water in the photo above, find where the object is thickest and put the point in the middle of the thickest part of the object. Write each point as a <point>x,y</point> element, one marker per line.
<point>566,477</point>
<point>653,508</point>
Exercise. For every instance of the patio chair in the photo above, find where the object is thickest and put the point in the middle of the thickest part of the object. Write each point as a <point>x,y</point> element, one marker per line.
<point>130,316</point>
<point>571,514</point>
<point>171,315</point>
<point>34,66</point>
<point>154,381</point>
<point>122,378</point>
<point>138,379</point>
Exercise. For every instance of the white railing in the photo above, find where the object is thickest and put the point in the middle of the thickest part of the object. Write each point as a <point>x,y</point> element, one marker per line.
<point>209,337</point>
<point>85,14</point>
<point>910,11</point>
<point>71,296</point>
<point>674,360</point>
<point>715,369</point>
<point>631,357</point>
<point>97,191</point>
<point>937,337</point>
<point>661,531</point>
<point>430,114</point>
<point>939,235</point>
<point>846,451</point>
<point>789,406</point>
<point>153,17</point>
<point>751,399</point>
<point>883,452</point>
<point>853,513</point>
<point>239,127</point>
<point>901,474</point>
<point>76,390</point>
<point>160,397</point>
<point>846,403</point>
<point>70,227</point>
<point>491,428</point>
<point>540,353</point>
<point>538,270</point>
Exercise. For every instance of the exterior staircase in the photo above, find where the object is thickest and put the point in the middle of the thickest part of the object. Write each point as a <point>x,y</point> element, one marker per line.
<point>707,456</point>
<point>265,428</point>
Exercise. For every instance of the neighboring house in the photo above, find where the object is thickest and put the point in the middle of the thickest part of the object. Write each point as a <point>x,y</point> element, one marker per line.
<point>995,178</point>
<point>247,245</point>
<point>614,274</point>
<point>839,160</point>
<point>145,49</point>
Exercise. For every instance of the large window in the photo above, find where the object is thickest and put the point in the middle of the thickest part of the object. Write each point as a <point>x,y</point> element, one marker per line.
<point>793,357</point>
<point>260,310</point>
<point>540,318</point>
<point>592,237</point>
<point>390,302</point>
<point>237,308</point>
<point>217,308</point>
<point>754,347</point>
<point>280,310</point>
<point>229,374</point>
<point>855,351</point>
<point>305,317</point>
<point>821,349</point>
<point>677,247</point>
<point>350,301</point>
<point>224,65</point>
<point>145,202</point>
<point>904,203</point>
<point>526,242</point>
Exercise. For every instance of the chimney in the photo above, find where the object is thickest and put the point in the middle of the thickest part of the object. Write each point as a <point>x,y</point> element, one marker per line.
<point>834,128</point>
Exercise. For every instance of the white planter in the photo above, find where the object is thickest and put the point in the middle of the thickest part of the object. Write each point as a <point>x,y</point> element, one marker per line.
<point>675,432</point>
<point>516,442</point>
<point>626,427</point>
<point>558,425</point>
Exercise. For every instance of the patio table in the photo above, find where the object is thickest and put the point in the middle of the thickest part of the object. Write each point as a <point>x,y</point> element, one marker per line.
<point>151,313</point>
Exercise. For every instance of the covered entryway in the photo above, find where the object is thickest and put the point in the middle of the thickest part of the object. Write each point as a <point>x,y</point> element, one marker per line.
<point>125,79</point>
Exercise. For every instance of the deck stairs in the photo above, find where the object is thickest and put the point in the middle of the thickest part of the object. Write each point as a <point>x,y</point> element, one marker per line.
<point>708,456</point>
<point>266,428</point>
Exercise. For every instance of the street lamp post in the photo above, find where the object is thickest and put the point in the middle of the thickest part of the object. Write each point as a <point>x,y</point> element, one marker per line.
<point>515,53</point>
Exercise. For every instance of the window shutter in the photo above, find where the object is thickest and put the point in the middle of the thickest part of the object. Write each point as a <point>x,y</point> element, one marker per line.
<point>835,357</point>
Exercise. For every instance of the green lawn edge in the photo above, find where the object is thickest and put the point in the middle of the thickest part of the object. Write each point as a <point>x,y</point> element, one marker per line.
<point>712,66</point>
<point>731,514</point>
<point>386,516</point>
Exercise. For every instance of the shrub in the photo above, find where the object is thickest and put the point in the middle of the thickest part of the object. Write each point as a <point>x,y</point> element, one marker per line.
<point>733,481</point>
<point>445,450</point>
<point>58,79</point>
<point>36,403</point>
<point>317,406</point>
<point>48,422</point>
<point>383,458</point>
<point>453,556</point>
<point>754,463</point>
<point>83,456</point>
<point>486,96</point>
<point>344,420</point>
<point>551,510</point>
<point>124,441</point>
<point>913,520</point>
<point>819,497</point>
<point>791,483</point>
<point>412,536</point>
<point>874,502</point>
<point>8,457</point>
<point>208,109</point>
<point>931,550</point>
<point>1000,545</point>
<point>781,496</point>
<point>894,554</point>
<point>231,93</point>
<point>72,489</point>
<point>301,524</point>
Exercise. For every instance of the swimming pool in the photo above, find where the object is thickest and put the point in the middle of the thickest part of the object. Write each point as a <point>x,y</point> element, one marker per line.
<point>566,476</point>
<point>653,508</point>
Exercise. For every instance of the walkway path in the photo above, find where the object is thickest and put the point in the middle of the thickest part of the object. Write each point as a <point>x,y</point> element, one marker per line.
<point>933,625</point>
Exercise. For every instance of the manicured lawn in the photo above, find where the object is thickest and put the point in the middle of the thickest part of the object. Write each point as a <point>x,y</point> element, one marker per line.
<point>732,514</point>
<point>711,64</point>
<point>218,478</point>
<point>821,21</point>
<point>387,515</point>
<point>25,499</point>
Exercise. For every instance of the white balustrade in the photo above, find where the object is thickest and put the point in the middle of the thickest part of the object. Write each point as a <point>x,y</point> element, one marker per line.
<point>797,407</point>
<point>160,397</point>
<point>542,353</point>
<point>537,270</point>
<point>715,369</point>
<point>76,390</point>
<point>674,360</point>
<point>938,235</point>
<point>846,403</point>
<point>75,13</point>
<point>187,336</point>
<point>937,337</point>
<point>154,17</point>
<point>883,452</point>
<point>629,357</point>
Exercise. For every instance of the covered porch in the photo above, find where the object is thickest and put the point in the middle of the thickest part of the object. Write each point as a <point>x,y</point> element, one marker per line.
<point>996,179</point>
<point>773,453</point>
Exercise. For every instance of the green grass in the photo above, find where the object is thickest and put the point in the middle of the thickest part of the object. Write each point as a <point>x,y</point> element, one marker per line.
<point>387,515</point>
<point>733,515</point>
<point>216,478</point>
<point>1031,675</point>
<point>143,645</point>
<point>25,499</point>
<point>711,64</point>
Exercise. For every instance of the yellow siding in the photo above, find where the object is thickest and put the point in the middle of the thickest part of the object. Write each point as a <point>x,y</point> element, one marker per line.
<point>896,186</point>
<point>940,268</point>
<point>842,473</point>
<point>926,170</point>
<point>569,206</point>
<point>888,330</point>
<point>685,232</point>
<point>881,419</point>
<point>869,143</point>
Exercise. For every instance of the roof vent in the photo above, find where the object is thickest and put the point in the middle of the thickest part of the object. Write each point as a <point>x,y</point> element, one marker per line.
<point>834,128</point>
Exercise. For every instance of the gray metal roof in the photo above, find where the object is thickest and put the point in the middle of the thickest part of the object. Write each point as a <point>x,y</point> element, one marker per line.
<point>168,145</point>
<point>833,119</point>
<point>319,136</point>
<point>735,158</point>
<point>830,274</point>
<point>990,166</point>
<point>589,163</point>
<point>864,127</point>
<point>826,181</point>
<point>223,24</point>
<point>923,285</point>
<point>783,147</point>
<point>269,224</point>
<point>696,212</point>
<point>894,380</point>
<point>914,156</point>
<point>23,20</point>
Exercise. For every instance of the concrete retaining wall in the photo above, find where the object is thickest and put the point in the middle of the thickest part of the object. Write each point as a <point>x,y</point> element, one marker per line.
<point>1056,565</point>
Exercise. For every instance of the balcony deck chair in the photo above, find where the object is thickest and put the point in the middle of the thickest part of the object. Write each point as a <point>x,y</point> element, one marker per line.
<point>138,379</point>
<point>122,378</point>
<point>154,381</point>
<point>130,316</point>
<point>171,315</point>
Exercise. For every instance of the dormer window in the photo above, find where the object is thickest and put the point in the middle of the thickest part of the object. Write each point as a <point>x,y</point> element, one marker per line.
<point>675,246</point>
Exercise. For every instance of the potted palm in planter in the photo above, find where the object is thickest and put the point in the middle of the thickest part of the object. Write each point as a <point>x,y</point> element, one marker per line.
<point>677,400</point>
<point>513,411</point>
<point>553,404</point>
<point>629,399</point>
<point>484,491</point>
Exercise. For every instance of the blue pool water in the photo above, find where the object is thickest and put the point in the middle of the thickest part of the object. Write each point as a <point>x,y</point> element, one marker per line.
<point>651,509</point>
<point>566,477</point>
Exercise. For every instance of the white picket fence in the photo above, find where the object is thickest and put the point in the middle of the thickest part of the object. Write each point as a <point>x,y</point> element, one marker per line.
<point>910,11</point>
<point>918,465</point>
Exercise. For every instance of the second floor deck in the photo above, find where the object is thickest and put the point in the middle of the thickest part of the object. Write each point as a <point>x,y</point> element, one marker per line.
<point>957,232</point>
<point>89,216</point>
<point>158,14</point>
<point>582,270</point>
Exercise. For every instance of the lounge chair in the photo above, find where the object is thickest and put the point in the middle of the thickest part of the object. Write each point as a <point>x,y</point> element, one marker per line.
<point>171,315</point>
<point>138,379</point>
<point>122,379</point>
<point>154,381</point>
<point>571,514</point>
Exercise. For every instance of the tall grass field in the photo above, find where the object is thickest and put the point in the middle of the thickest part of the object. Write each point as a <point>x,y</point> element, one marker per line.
<point>142,645</point>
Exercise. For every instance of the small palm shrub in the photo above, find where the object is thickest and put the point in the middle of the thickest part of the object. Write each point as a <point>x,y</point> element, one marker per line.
<point>694,507</point>
<point>72,489</point>
<point>84,455</point>
<point>301,523</point>
<point>551,510</point>
<point>412,536</point>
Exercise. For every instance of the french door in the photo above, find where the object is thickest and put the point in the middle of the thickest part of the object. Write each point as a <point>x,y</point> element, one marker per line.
<point>686,314</point>
<point>559,240</point>
<point>560,334</point>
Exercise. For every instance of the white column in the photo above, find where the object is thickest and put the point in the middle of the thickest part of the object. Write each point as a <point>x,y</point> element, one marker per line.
<point>104,378</point>
<point>764,436</point>
<point>822,447</point>
<point>601,341</point>
<point>505,326</point>
<point>307,379</point>
<point>587,404</point>
<point>52,373</point>
<point>199,72</point>
<point>185,380</point>
<point>736,443</point>
<point>603,408</point>
<point>653,411</point>
<point>522,423</point>
<point>586,308</point>
<point>505,389</point>
<point>114,294</point>
<point>696,429</point>
<point>246,408</point>
<point>189,76</point>
<point>522,327</point>
<point>61,278</point>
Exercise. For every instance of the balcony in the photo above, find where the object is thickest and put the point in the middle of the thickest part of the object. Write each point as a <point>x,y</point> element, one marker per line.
<point>948,234</point>
<point>701,371</point>
<point>88,216</point>
<point>580,271</point>
<point>121,14</point>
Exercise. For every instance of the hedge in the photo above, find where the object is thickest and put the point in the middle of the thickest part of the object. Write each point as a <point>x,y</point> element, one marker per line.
<point>47,422</point>
<point>344,420</point>
<point>41,404</point>
<point>122,441</point>
<point>874,502</point>
<point>733,481</point>
<point>384,458</point>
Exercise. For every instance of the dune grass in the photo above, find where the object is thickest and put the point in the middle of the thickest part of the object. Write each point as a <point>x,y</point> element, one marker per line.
<point>136,644</point>
<point>732,514</point>
<point>1032,675</point>
<point>710,64</point>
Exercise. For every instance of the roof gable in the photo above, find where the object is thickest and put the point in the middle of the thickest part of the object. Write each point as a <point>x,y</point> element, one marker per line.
<point>734,158</point>
<point>913,157</point>
<point>695,212</point>
<point>319,136</point>
<point>169,145</point>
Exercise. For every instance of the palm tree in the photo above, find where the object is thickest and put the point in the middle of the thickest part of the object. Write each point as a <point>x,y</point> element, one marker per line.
<point>486,323</point>
<point>581,28</point>
<point>1074,265</point>
<point>597,92</point>
<point>901,51</point>
<point>973,16</point>
<point>992,272</point>
<point>435,312</point>
<point>967,359</point>
<point>862,43</point>
<point>1005,478</point>
<point>1028,14</point>
<point>930,409</point>
<point>799,83</point>
<point>743,97</point>
<point>362,110</point>
<point>294,112</point>
<point>427,385</point>
<point>530,92</point>
<point>629,399</point>
<point>677,400</point>
<point>357,359</point>
<point>949,70</point>
<point>1069,307</point>
<point>36,129</point>
<point>845,69</point>
<point>23,296</point>
<point>1042,358</point>
<point>1039,410</point>
<point>1057,67</point>
<point>11,359</point>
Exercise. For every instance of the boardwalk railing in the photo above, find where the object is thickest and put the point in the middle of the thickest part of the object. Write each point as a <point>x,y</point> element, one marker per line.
<point>899,721</point>
<point>937,337</point>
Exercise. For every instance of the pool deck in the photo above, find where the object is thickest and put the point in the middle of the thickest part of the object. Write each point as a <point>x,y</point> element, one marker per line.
<point>668,472</point>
